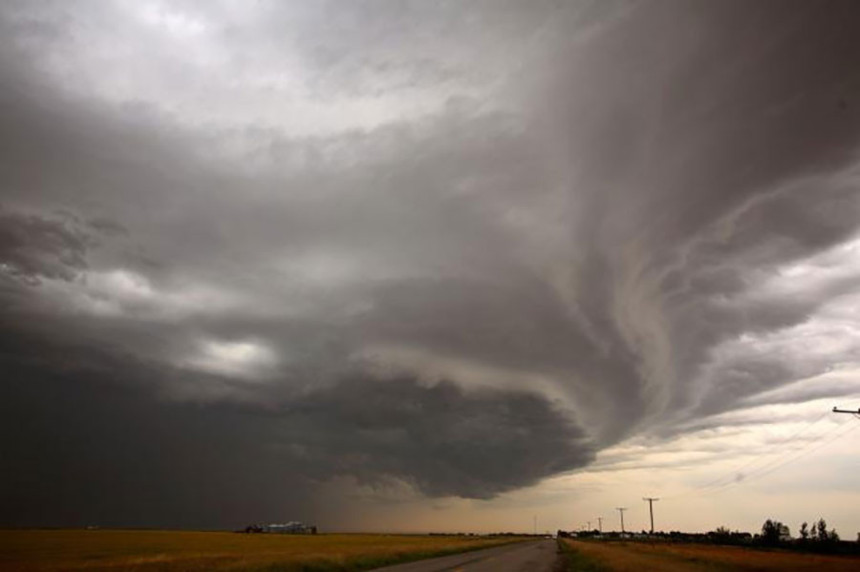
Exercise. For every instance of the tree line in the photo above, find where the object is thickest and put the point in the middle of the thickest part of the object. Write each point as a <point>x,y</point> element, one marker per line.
<point>773,532</point>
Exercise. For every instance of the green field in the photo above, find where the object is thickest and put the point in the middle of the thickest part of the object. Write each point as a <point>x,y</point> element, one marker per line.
<point>157,550</point>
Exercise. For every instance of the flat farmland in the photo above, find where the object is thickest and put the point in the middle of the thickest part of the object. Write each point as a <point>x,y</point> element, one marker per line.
<point>174,551</point>
<point>636,556</point>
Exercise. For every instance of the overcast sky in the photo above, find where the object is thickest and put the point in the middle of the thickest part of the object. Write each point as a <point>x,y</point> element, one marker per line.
<point>390,265</point>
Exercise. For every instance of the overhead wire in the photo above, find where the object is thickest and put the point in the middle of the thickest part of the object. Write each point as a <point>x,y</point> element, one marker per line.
<point>769,463</point>
<point>853,427</point>
<point>765,470</point>
<point>757,459</point>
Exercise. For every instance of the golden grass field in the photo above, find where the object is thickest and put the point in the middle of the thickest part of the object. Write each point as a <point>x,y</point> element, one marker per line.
<point>638,556</point>
<point>173,551</point>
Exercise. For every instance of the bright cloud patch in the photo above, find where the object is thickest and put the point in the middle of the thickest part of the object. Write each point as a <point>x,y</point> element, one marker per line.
<point>245,360</point>
<point>125,293</point>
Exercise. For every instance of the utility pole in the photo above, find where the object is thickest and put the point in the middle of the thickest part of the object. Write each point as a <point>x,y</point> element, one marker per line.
<point>651,508</point>
<point>600,524</point>
<point>849,411</point>
<point>621,512</point>
<point>589,526</point>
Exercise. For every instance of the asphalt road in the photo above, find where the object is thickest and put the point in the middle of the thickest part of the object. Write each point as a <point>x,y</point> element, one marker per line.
<point>532,556</point>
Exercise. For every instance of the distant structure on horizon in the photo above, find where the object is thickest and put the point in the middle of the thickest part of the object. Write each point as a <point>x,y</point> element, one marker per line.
<point>292,527</point>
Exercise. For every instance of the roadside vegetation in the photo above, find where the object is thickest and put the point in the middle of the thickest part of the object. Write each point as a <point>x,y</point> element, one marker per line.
<point>174,551</point>
<point>774,534</point>
<point>574,560</point>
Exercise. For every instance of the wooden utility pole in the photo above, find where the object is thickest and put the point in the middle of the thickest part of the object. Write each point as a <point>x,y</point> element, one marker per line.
<point>600,524</point>
<point>651,508</point>
<point>849,411</point>
<point>621,512</point>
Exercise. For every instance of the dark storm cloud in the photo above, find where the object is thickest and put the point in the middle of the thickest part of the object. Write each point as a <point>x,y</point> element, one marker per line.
<point>442,439</point>
<point>83,447</point>
<point>34,247</point>
<point>88,443</point>
<point>285,227</point>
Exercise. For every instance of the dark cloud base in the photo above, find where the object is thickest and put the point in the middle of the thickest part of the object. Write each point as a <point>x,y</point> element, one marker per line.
<point>79,450</point>
<point>442,439</point>
<point>83,445</point>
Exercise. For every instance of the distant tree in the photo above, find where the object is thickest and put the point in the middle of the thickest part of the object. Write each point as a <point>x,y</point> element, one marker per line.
<point>721,535</point>
<point>821,535</point>
<point>770,531</point>
<point>804,531</point>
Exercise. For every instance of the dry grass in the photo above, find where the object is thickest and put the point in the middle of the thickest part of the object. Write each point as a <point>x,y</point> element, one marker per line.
<point>173,551</point>
<point>630,556</point>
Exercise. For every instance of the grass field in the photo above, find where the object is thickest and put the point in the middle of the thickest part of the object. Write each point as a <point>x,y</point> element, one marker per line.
<point>174,551</point>
<point>596,556</point>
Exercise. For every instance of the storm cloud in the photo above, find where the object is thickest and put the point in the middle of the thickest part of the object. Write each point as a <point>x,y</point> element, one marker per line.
<point>462,248</point>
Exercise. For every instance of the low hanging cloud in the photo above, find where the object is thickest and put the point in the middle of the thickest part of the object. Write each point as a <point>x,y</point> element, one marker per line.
<point>440,439</point>
<point>349,249</point>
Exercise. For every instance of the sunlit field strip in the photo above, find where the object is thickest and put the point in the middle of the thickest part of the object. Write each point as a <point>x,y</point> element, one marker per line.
<point>148,550</point>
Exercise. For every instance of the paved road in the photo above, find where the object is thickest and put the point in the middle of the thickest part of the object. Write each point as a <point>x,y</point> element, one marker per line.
<point>532,556</point>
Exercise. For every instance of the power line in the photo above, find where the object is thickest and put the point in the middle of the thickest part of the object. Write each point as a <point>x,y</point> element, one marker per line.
<point>764,471</point>
<point>839,430</point>
<point>718,482</point>
<point>782,461</point>
<point>764,463</point>
<point>767,463</point>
